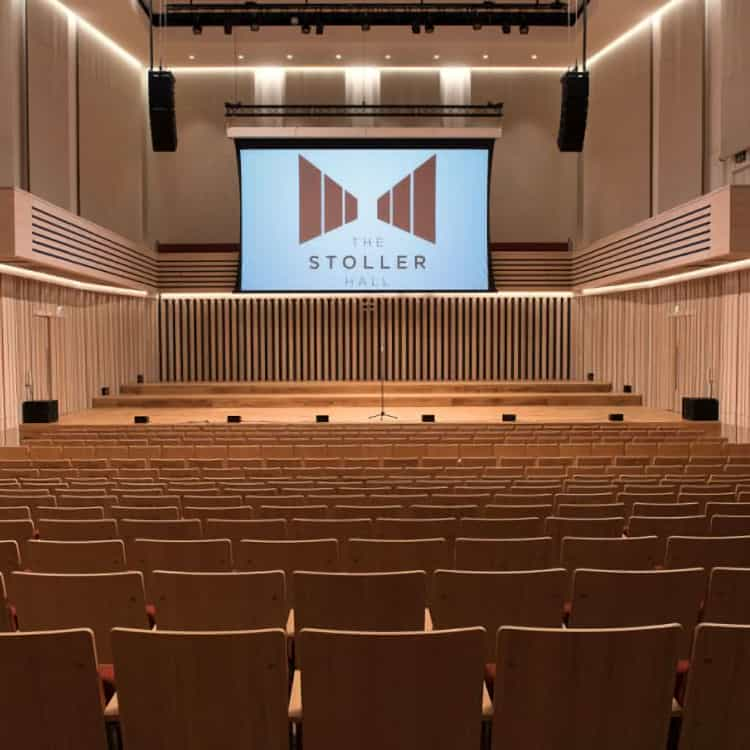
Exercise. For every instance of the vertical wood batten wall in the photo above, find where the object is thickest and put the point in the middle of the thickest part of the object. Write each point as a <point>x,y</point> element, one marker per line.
<point>100,340</point>
<point>306,338</point>
<point>668,342</point>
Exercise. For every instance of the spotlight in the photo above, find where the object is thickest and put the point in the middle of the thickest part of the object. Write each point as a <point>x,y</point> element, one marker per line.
<point>254,27</point>
<point>294,21</point>
<point>429,28</point>
<point>365,26</point>
<point>523,29</point>
<point>197,28</point>
<point>228,28</point>
<point>319,28</point>
<point>477,26</point>
<point>506,28</point>
<point>306,28</point>
<point>415,29</point>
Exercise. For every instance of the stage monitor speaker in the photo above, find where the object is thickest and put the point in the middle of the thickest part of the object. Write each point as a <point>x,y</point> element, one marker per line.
<point>509,417</point>
<point>617,417</point>
<point>321,418</point>
<point>234,418</point>
<point>139,379</point>
<point>141,419</point>
<point>39,412</point>
<point>627,389</point>
<point>700,409</point>
<point>105,390</point>
<point>574,111</point>
<point>161,110</point>
<point>590,377</point>
<point>428,417</point>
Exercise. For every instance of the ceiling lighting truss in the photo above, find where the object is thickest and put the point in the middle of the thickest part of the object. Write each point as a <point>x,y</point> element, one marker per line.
<point>491,110</point>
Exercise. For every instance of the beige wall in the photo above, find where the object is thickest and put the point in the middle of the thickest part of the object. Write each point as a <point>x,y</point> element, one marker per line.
<point>13,171</point>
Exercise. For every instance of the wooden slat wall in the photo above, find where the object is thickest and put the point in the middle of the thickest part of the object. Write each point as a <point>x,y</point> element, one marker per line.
<point>340,338</point>
<point>640,338</point>
<point>101,340</point>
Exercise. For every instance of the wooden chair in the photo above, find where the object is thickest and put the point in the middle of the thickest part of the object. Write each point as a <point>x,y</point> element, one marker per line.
<point>622,553</point>
<point>664,527</point>
<point>728,598</point>
<point>367,511</point>
<point>730,525</point>
<point>145,513</point>
<point>500,528</point>
<point>358,601</point>
<point>443,511</point>
<point>584,689</point>
<point>10,557</point>
<point>238,529</point>
<point>85,513</point>
<point>212,501</point>
<point>287,555</point>
<point>520,496</point>
<point>100,602</point>
<point>5,615</point>
<point>219,601</point>
<point>506,554</point>
<point>329,528</point>
<point>16,513</point>
<point>50,693</point>
<point>131,529</point>
<point>359,690</point>
<point>239,512</point>
<point>558,527</point>
<point>288,512</point>
<point>75,557</point>
<point>708,552</point>
<point>491,599</point>
<point>77,531</point>
<point>415,528</point>
<point>17,531</point>
<point>666,510</point>
<point>630,598</point>
<point>727,509</point>
<point>608,510</point>
<point>387,555</point>
<point>516,511</point>
<point>199,690</point>
<point>718,690</point>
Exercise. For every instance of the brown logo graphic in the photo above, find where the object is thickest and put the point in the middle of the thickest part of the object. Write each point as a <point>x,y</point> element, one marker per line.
<point>323,204</point>
<point>410,203</point>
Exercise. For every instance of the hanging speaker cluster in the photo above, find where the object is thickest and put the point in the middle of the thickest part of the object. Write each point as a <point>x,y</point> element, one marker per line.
<point>574,111</point>
<point>161,110</point>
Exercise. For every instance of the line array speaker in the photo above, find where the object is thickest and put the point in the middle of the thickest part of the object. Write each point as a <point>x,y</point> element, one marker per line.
<point>161,110</point>
<point>574,111</point>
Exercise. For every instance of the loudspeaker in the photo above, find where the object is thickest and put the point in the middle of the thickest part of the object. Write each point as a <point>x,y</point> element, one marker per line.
<point>617,417</point>
<point>141,419</point>
<point>161,110</point>
<point>590,377</point>
<point>105,391</point>
<point>428,417</point>
<point>139,379</point>
<point>39,412</point>
<point>627,389</point>
<point>234,418</point>
<point>321,418</point>
<point>509,417</point>
<point>700,409</point>
<point>574,111</point>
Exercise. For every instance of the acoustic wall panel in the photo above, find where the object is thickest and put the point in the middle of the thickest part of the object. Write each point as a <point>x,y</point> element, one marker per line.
<point>351,338</point>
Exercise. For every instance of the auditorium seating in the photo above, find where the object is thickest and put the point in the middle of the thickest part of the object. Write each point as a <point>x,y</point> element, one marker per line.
<point>44,556</point>
<point>728,598</point>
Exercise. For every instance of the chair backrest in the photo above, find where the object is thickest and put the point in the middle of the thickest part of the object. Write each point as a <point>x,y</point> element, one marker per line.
<point>606,510</point>
<point>718,690</point>
<point>288,512</point>
<point>415,528</point>
<point>50,692</point>
<point>17,531</point>
<point>730,525</point>
<point>500,528</point>
<point>384,555</point>
<point>187,555</point>
<point>100,602</point>
<point>212,501</point>
<point>219,601</point>
<point>665,527</point>
<point>10,557</point>
<point>505,554</point>
<point>15,513</point>
<point>665,510</point>
<point>584,689</point>
<point>633,598</point>
<point>232,685</point>
<point>444,668</point>
<point>358,601</point>
<point>106,556</point>
<point>145,513</point>
<point>558,527</point>
<point>622,553</point>
<point>5,618</point>
<point>77,531</point>
<point>220,512</point>
<point>533,598</point>
<point>708,552</point>
<point>130,529</point>
<point>367,511</point>
<point>238,529</point>
<point>728,596</point>
<point>517,511</point>
<point>329,528</point>
<point>287,555</point>
<point>727,509</point>
<point>84,513</point>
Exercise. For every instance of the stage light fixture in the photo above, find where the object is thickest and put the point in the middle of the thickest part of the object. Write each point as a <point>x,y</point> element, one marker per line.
<point>294,21</point>
<point>523,29</point>
<point>506,28</point>
<point>228,28</point>
<point>365,26</point>
<point>477,26</point>
<point>197,29</point>
<point>254,27</point>
<point>319,29</point>
<point>429,28</point>
<point>306,28</point>
<point>415,28</point>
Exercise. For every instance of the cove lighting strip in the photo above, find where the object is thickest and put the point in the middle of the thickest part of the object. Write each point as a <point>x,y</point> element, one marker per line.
<point>217,69</point>
<point>82,286</point>
<point>364,295</point>
<point>701,273</point>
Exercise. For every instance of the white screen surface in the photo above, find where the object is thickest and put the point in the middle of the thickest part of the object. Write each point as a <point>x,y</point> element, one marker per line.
<point>364,219</point>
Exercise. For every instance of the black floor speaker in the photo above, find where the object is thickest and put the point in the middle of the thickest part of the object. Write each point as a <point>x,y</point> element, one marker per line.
<point>39,412</point>
<point>700,409</point>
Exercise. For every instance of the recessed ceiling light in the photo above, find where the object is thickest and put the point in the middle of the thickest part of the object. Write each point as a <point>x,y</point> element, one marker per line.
<point>387,57</point>
<point>338,55</point>
<point>436,57</point>
<point>191,57</point>
<point>535,57</point>
<point>290,57</point>
<point>485,56</point>
<point>240,57</point>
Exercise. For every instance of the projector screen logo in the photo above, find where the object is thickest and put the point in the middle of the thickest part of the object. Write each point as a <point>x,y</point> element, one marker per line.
<point>323,204</point>
<point>410,203</point>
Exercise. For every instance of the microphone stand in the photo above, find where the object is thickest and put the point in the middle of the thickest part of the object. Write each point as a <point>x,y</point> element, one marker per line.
<point>382,414</point>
